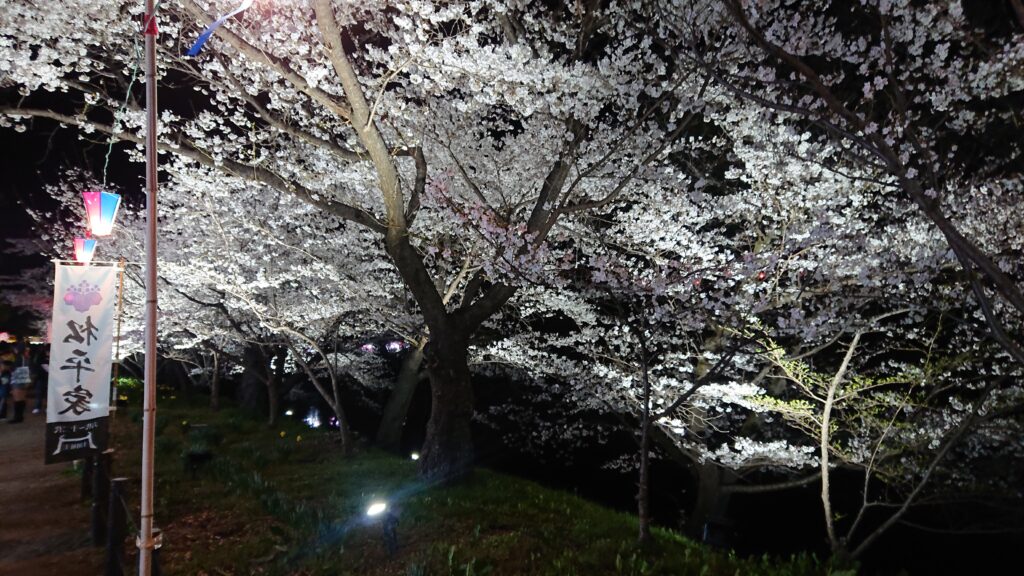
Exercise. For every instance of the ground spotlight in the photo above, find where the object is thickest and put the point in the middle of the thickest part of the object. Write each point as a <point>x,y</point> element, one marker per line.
<point>376,508</point>
<point>379,512</point>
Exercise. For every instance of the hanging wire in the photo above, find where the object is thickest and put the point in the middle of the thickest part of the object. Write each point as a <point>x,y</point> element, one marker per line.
<point>137,48</point>
<point>133,529</point>
<point>128,515</point>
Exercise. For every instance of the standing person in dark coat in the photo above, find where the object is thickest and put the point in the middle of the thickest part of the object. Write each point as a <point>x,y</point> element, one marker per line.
<point>5,386</point>
<point>42,379</point>
<point>21,380</point>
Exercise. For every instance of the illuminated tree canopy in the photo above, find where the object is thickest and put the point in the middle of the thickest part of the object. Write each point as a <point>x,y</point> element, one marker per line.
<point>531,186</point>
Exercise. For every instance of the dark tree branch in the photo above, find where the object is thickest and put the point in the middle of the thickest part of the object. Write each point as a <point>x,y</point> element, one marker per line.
<point>823,91</point>
<point>226,165</point>
<point>966,250</point>
<point>1018,9</point>
<point>542,219</point>
<point>706,378</point>
<point>940,454</point>
<point>996,327</point>
<point>257,55</point>
<point>418,186</point>
<point>774,487</point>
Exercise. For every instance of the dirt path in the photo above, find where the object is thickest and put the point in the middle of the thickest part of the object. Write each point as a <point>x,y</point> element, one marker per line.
<point>44,527</point>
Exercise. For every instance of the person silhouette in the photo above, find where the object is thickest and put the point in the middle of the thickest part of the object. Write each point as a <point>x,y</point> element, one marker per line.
<point>42,379</point>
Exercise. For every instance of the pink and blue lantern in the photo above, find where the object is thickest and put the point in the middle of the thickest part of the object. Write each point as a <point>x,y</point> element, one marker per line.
<point>84,249</point>
<point>101,209</point>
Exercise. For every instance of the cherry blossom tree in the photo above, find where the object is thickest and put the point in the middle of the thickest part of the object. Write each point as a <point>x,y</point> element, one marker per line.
<point>923,100</point>
<point>536,112</point>
<point>494,163</point>
<point>792,248</point>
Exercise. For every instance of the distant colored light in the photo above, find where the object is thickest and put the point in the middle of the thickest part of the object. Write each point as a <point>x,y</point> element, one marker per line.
<point>312,418</point>
<point>415,455</point>
<point>376,508</point>
<point>101,210</point>
<point>84,249</point>
<point>369,347</point>
<point>395,346</point>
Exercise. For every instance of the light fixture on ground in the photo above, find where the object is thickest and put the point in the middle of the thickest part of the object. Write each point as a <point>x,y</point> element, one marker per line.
<point>388,521</point>
<point>376,508</point>
<point>414,456</point>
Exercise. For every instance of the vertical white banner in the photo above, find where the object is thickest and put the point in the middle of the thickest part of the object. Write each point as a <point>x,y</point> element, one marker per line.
<point>78,398</point>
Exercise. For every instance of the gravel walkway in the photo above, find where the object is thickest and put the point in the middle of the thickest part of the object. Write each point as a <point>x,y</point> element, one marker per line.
<point>44,527</point>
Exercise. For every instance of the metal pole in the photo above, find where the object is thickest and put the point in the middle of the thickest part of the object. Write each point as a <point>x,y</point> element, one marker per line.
<point>87,463</point>
<point>149,401</point>
<point>116,527</point>
<point>101,496</point>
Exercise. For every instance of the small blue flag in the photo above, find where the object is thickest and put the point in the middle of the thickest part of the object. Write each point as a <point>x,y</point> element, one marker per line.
<point>216,24</point>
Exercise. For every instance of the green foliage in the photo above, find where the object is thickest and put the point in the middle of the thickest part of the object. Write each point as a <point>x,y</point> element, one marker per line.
<point>205,434</point>
<point>299,507</point>
<point>126,384</point>
<point>167,445</point>
<point>634,565</point>
<point>162,421</point>
<point>416,569</point>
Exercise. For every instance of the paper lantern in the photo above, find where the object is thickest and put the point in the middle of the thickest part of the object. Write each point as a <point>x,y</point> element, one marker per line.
<point>101,209</point>
<point>84,249</point>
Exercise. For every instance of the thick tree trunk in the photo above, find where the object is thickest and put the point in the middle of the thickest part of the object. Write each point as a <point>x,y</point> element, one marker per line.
<point>344,431</point>
<point>215,385</point>
<point>185,380</point>
<point>708,486</point>
<point>275,374</point>
<point>643,496</point>
<point>252,390</point>
<point>272,404</point>
<point>389,433</point>
<point>448,450</point>
<point>708,521</point>
<point>709,476</point>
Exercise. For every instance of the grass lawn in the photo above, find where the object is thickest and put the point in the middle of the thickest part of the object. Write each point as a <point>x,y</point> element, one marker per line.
<point>282,500</point>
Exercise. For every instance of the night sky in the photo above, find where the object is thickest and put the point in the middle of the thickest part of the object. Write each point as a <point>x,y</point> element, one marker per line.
<point>25,164</point>
<point>39,156</point>
<point>31,160</point>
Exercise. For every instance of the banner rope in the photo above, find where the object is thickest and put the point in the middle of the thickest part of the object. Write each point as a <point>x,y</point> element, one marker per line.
<point>146,22</point>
